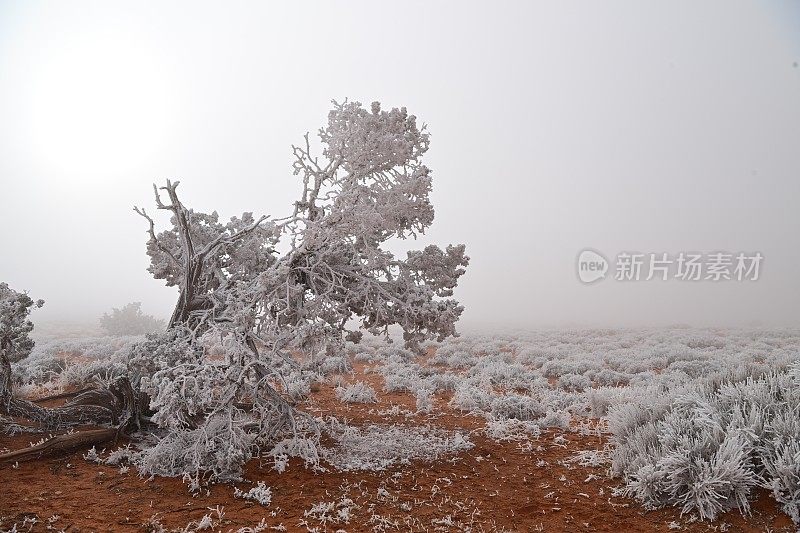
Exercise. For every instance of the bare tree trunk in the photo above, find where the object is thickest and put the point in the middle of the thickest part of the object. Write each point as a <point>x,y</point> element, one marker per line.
<point>193,295</point>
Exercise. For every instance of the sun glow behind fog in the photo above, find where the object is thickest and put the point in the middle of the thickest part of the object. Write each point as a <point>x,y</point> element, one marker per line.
<point>98,107</point>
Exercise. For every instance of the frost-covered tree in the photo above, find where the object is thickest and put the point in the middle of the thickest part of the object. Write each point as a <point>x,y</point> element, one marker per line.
<point>130,320</point>
<point>15,327</point>
<point>272,309</point>
<point>368,186</point>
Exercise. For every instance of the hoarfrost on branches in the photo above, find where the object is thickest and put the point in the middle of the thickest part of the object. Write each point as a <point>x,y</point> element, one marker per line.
<point>268,309</point>
<point>15,328</point>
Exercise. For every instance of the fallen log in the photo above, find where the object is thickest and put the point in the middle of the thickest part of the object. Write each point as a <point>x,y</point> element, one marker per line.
<point>61,444</point>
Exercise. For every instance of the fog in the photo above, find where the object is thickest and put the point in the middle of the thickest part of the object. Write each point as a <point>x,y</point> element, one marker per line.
<point>623,126</point>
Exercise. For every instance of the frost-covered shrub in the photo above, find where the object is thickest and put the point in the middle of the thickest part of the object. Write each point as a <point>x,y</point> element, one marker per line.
<point>335,364</point>
<point>278,292</point>
<point>295,446</point>
<point>559,367</point>
<point>93,372</point>
<point>703,342</point>
<point>124,455</point>
<point>696,367</point>
<point>489,347</point>
<point>400,376</point>
<point>601,398</point>
<point>555,419</point>
<point>362,353</point>
<point>501,373</point>
<point>516,406</point>
<point>445,381</point>
<point>38,371</point>
<point>574,382</point>
<point>511,429</point>
<point>430,345</point>
<point>261,494</point>
<point>217,450</point>
<point>453,358</point>
<point>78,362</point>
<point>708,447</point>
<point>396,354</point>
<point>424,400</point>
<point>606,376</point>
<point>358,392</point>
<point>469,397</point>
<point>297,385</point>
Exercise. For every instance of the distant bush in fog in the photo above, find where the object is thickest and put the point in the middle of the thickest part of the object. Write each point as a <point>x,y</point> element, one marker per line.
<point>130,321</point>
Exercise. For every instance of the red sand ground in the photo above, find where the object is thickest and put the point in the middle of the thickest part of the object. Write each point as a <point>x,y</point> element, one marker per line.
<point>493,487</point>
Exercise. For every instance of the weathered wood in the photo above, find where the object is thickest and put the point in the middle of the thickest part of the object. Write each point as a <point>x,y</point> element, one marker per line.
<point>61,444</point>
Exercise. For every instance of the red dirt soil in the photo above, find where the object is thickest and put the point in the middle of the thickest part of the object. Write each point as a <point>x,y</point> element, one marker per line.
<point>492,487</point>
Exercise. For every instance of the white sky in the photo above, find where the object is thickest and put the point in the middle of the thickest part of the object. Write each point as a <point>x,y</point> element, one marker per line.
<point>647,126</point>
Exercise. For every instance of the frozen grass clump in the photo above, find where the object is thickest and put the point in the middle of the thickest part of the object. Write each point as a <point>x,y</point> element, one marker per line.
<point>555,419</point>
<point>512,429</point>
<point>559,367</point>
<point>335,364</point>
<point>400,376</point>
<point>377,447</point>
<point>470,398</point>
<point>358,392</point>
<point>609,377</point>
<point>97,371</point>
<point>298,385</point>
<point>424,400</point>
<point>337,512</point>
<point>517,406</point>
<point>574,382</point>
<point>261,494</point>
<point>708,447</point>
<point>501,373</point>
<point>396,354</point>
